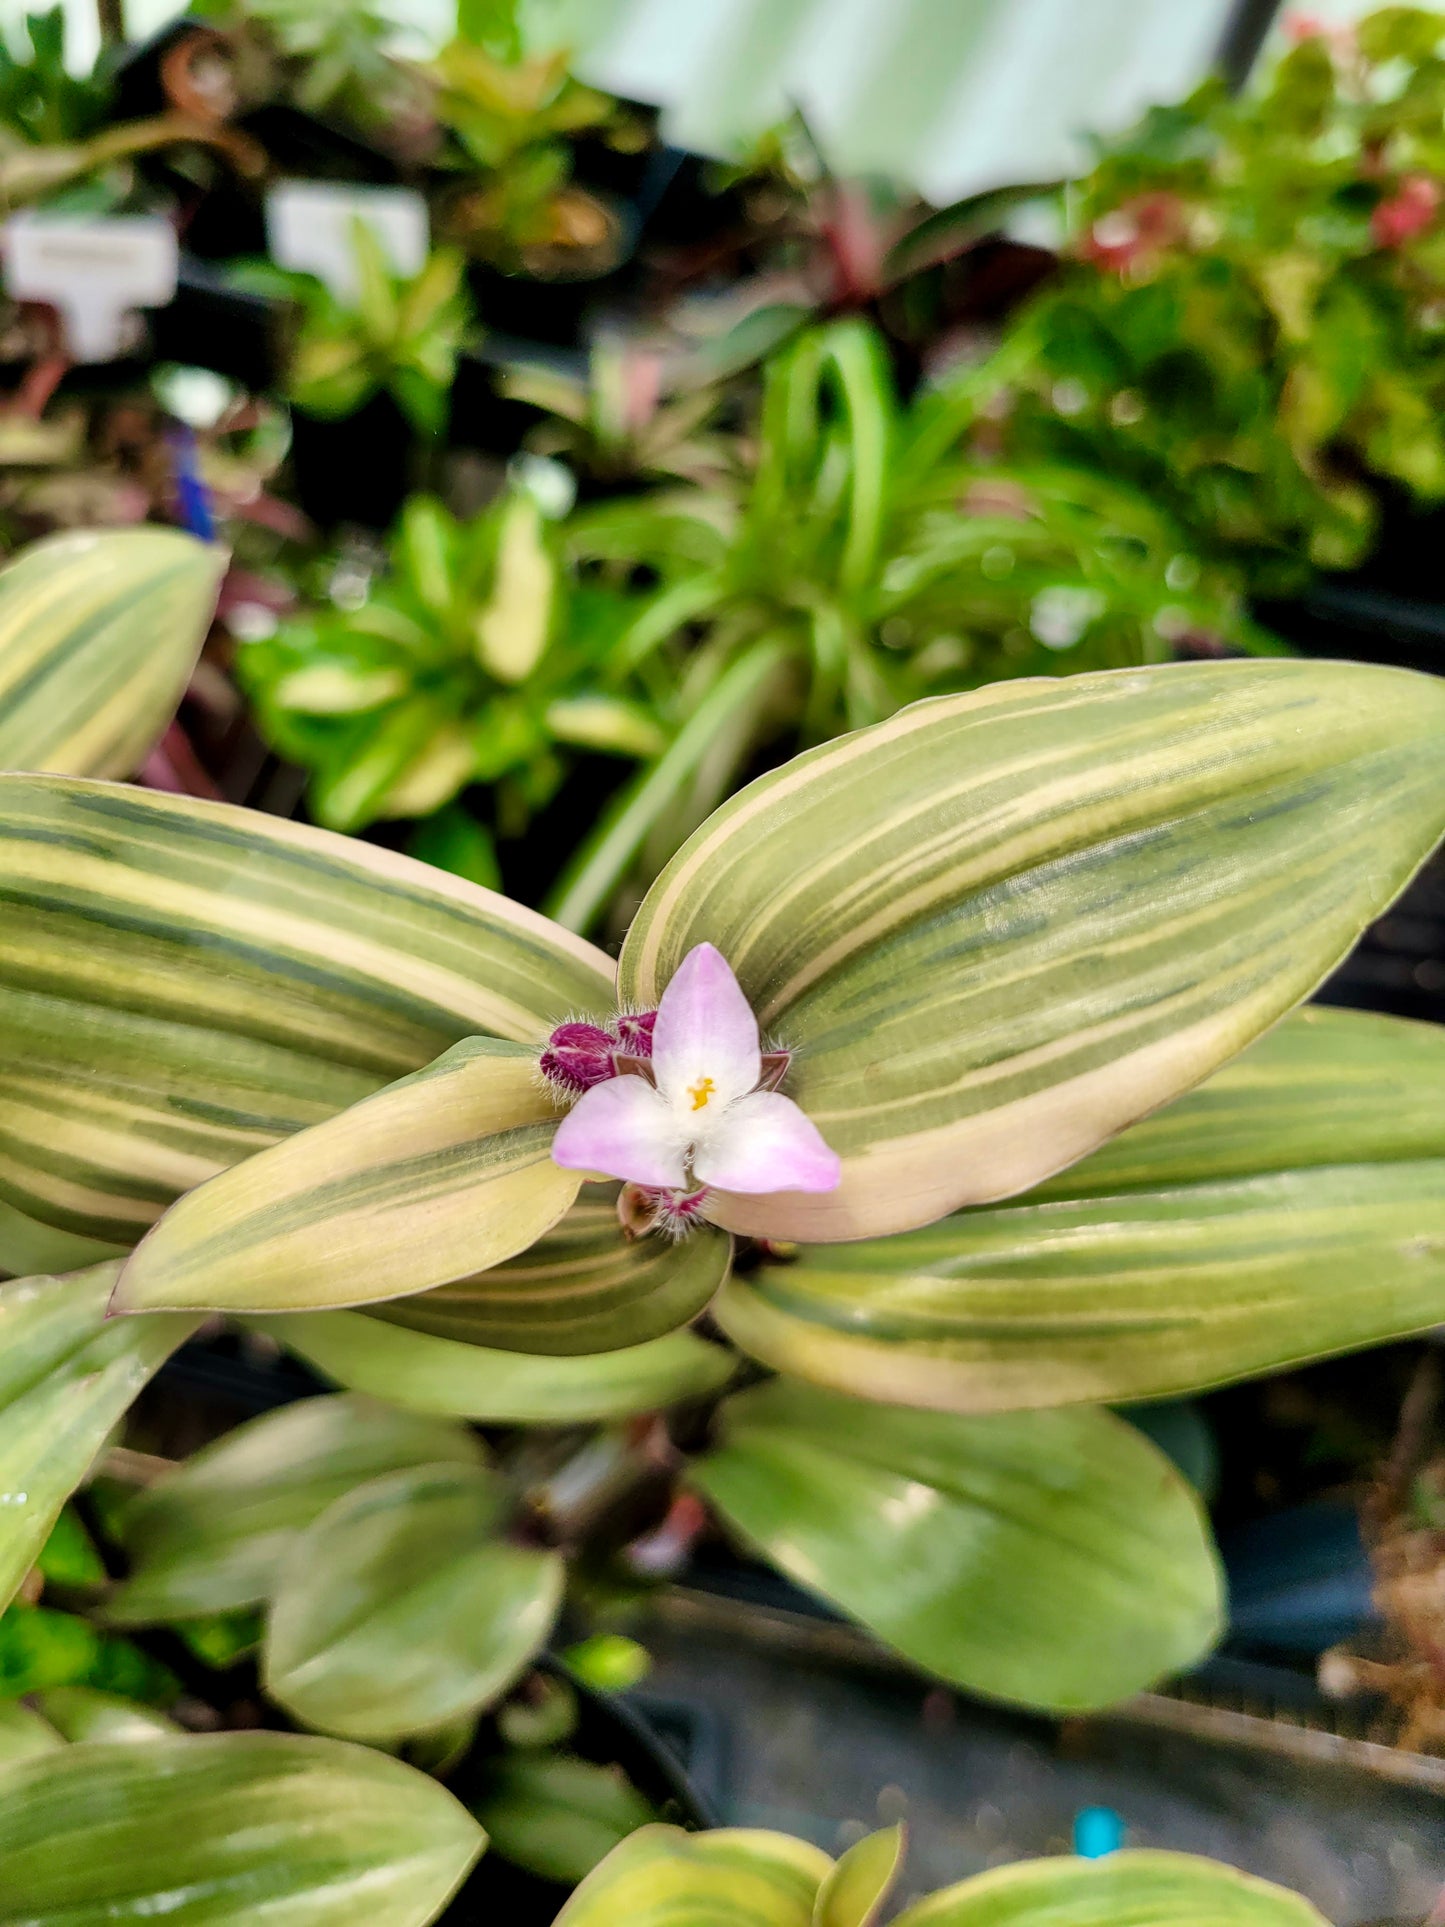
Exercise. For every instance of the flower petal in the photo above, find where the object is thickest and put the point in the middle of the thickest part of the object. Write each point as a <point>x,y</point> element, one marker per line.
<point>705,1030</point>
<point>765,1143</point>
<point>625,1130</point>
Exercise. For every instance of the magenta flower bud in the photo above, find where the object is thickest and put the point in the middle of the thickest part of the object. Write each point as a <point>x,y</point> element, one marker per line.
<point>635,1033</point>
<point>578,1056</point>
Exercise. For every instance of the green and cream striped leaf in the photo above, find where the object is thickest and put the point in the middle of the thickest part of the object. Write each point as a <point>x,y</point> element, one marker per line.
<point>427,1374</point>
<point>99,633</point>
<point>1140,1888</point>
<point>854,1893</point>
<point>1001,926</point>
<point>227,1830</point>
<point>582,1288</point>
<point>401,1609</point>
<point>211,1536</point>
<point>441,1174</point>
<point>182,983</point>
<point>67,1376</point>
<point>1054,1560</point>
<point>1225,1237</point>
<point>734,1877</point>
<point>27,1248</point>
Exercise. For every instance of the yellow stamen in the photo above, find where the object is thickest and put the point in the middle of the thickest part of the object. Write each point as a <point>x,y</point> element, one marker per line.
<point>700,1092</point>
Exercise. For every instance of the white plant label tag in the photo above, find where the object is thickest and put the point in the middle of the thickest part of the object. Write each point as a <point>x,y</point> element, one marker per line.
<point>93,271</point>
<point>309,229</point>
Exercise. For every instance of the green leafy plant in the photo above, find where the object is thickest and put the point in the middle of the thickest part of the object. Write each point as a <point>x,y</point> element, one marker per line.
<point>41,101</point>
<point>472,660</point>
<point>858,561</point>
<point>399,336</point>
<point>1250,324</point>
<point>363,1109</point>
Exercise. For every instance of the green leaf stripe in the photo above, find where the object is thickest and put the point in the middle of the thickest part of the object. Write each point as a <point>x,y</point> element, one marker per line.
<point>1001,926</point>
<point>581,1288</point>
<point>182,983</point>
<point>99,632</point>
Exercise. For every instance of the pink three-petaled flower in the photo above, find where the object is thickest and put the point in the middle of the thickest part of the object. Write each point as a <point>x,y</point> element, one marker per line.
<point>695,1111</point>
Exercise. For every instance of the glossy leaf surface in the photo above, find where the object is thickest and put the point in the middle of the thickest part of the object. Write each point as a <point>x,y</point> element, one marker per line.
<point>1292,1207</point>
<point>182,983</point>
<point>1001,926</point>
<point>212,1536</point>
<point>99,632</point>
<point>1048,1559</point>
<point>428,1374</point>
<point>582,1288</point>
<point>443,1173</point>
<point>400,1609</point>
<point>67,1376</point>
<point>227,1829</point>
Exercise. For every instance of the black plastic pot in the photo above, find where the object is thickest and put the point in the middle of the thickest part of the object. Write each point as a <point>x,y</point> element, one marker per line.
<point>358,469</point>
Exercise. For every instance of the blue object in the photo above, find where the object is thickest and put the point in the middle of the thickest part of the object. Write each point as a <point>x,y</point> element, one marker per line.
<point>1097,1831</point>
<point>193,498</point>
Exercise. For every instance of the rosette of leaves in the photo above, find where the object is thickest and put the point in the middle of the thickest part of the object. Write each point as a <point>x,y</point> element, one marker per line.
<point>852,561</point>
<point>1250,323</point>
<point>398,336</point>
<point>471,659</point>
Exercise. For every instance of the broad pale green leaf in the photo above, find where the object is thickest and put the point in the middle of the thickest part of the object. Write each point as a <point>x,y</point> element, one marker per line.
<point>444,1173</point>
<point>400,1609</point>
<point>1047,1559</point>
<point>226,1830</point>
<point>582,1288</point>
<point>735,1877</point>
<point>80,1713</point>
<point>1134,1889</point>
<point>1001,926</point>
<point>1224,1237</point>
<point>182,983</point>
<point>66,1378</point>
<point>27,1248</point>
<point>24,1733</point>
<point>429,1374</point>
<point>211,1536</point>
<point>854,1893</point>
<point>99,632</point>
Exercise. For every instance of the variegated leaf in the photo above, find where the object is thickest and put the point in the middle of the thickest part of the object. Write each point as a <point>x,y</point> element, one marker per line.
<point>734,1877</point>
<point>183,983</point>
<point>441,1174</point>
<point>401,1608</point>
<point>1001,926</point>
<point>427,1374</point>
<point>1132,1889</point>
<point>854,1893</point>
<point>99,633</point>
<point>227,1830</point>
<point>27,1248</point>
<point>582,1288</point>
<point>66,1378</point>
<point>1292,1207</point>
<point>211,1536</point>
<point>1047,1559</point>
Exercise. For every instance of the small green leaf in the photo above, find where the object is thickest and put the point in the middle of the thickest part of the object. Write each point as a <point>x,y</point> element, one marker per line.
<point>444,1173</point>
<point>735,1877</point>
<point>85,1713</point>
<point>399,1610</point>
<point>1046,1559</point>
<point>212,1536</point>
<point>1134,1889</point>
<point>23,1733</point>
<point>99,633</point>
<point>512,629</point>
<point>558,1817</point>
<point>226,1829</point>
<point>428,1374</point>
